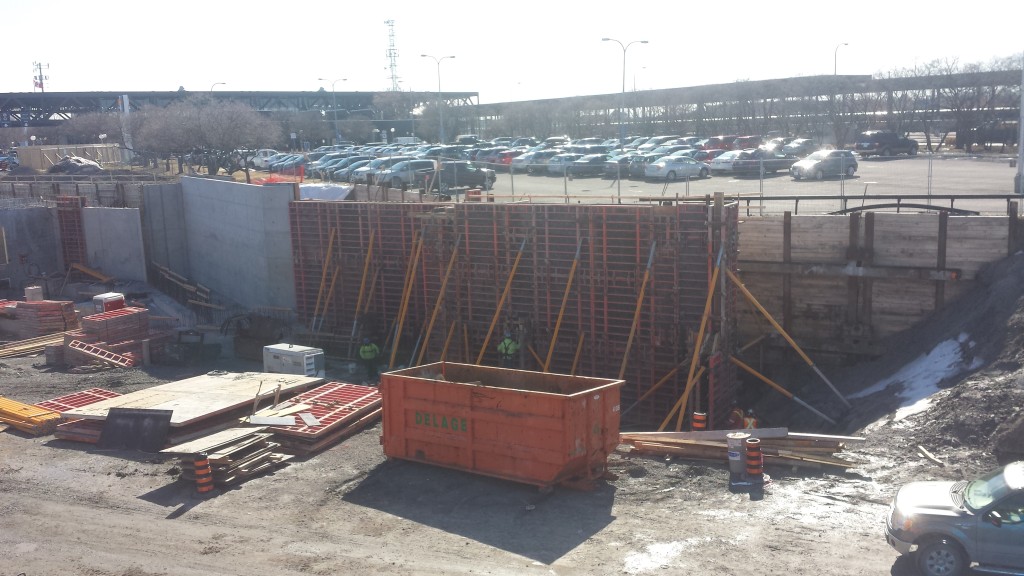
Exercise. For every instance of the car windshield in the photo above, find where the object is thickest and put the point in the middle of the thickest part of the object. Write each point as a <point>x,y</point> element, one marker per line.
<point>819,155</point>
<point>991,487</point>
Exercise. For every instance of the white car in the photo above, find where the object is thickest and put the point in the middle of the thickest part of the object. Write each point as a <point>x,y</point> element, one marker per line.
<point>672,168</point>
<point>262,158</point>
<point>559,163</point>
<point>722,164</point>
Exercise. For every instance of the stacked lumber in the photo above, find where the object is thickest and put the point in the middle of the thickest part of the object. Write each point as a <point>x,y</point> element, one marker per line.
<point>323,416</point>
<point>235,455</point>
<point>778,445</point>
<point>28,418</point>
<point>30,346</point>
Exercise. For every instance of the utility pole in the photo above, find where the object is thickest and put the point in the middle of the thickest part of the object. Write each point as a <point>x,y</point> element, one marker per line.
<point>38,79</point>
<point>392,55</point>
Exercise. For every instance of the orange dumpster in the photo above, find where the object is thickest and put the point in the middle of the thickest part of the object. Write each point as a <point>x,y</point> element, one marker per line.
<point>530,427</point>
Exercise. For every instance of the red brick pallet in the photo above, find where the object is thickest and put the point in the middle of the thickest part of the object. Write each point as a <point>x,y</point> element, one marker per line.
<point>98,353</point>
<point>338,407</point>
<point>77,399</point>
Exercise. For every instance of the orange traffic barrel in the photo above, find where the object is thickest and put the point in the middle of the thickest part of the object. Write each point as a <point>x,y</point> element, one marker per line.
<point>755,460</point>
<point>699,421</point>
<point>473,195</point>
<point>204,475</point>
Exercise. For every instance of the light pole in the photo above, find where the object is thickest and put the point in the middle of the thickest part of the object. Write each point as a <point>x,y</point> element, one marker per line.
<point>835,58</point>
<point>622,104</point>
<point>215,84</point>
<point>334,104</point>
<point>440,110</point>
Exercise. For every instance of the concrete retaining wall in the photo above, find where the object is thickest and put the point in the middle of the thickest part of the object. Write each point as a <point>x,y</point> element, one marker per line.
<point>113,242</point>
<point>32,250</point>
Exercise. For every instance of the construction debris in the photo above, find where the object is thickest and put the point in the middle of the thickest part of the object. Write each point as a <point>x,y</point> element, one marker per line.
<point>791,449</point>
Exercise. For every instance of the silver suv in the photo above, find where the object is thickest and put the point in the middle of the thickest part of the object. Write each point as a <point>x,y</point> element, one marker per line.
<point>405,174</point>
<point>949,525</point>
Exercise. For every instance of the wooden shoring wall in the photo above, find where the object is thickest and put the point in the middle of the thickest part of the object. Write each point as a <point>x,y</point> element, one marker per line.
<point>840,284</point>
<point>486,238</point>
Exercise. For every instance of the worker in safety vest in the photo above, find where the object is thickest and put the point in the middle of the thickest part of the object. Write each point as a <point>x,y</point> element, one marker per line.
<point>507,349</point>
<point>368,353</point>
<point>735,420</point>
<point>750,421</point>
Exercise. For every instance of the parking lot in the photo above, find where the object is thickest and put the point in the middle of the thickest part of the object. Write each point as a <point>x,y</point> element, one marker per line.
<point>923,175</point>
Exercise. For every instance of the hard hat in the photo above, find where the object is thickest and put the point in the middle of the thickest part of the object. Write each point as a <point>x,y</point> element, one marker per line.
<point>750,411</point>
<point>508,334</point>
<point>366,340</point>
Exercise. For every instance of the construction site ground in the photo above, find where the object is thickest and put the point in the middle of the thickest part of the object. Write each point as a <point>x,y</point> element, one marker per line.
<point>69,508</point>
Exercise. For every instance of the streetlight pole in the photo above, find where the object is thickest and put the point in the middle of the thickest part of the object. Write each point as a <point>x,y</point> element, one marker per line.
<point>334,104</point>
<point>440,110</point>
<point>622,97</point>
<point>835,58</point>
<point>215,84</point>
<point>622,101</point>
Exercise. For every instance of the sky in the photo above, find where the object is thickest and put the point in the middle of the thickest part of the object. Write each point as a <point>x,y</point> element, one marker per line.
<point>505,51</point>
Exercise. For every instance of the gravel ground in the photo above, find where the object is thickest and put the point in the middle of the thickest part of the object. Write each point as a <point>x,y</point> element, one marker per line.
<point>70,508</point>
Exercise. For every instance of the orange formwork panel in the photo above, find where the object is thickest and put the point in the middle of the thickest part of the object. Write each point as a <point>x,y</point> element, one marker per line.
<point>530,427</point>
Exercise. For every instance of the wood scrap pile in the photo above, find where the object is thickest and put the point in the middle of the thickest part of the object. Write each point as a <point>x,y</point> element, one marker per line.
<point>31,346</point>
<point>778,445</point>
<point>322,416</point>
<point>235,455</point>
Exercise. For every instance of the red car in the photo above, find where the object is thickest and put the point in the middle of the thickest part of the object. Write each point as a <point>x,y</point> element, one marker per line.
<point>718,143</point>
<point>504,159</point>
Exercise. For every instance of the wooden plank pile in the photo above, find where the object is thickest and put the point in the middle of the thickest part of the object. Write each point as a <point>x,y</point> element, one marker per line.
<point>326,415</point>
<point>33,319</point>
<point>31,346</point>
<point>235,455</point>
<point>28,418</point>
<point>778,445</point>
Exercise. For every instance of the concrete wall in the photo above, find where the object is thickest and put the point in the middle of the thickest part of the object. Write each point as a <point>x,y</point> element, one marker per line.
<point>32,250</point>
<point>113,242</point>
<point>239,241</point>
<point>164,226</point>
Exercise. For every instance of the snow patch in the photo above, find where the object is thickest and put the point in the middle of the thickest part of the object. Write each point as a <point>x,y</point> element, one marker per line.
<point>920,379</point>
<point>656,556</point>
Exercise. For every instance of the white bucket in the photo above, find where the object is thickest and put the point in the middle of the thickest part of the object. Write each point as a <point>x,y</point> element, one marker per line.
<point>735,442</point>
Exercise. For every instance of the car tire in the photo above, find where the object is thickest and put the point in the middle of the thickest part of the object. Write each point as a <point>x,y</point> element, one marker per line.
<point>942,557</point>
<point>671,176</point>
<point>912,151</point>
<point>796,175</point>
<point>704,173</point>
<point>850,171</point>
<point>818,174</point>
<point>886,152</point>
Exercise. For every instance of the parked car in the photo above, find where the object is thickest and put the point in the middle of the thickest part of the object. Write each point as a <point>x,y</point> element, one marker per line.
<point>825,163</point>
<point>289,162</point>
<point>262,157</point>
<point>722,164</point>
<point>654,142</point>
<point>588,165</point>
<point>366,174</point>
<point>753,162</point>
<point>460,174</point>
<point>947,526</point>
<point>345,174</point>
<point>504,159</point>
<point>405,174</point>
<point>559,163</point>
<point>539,163</point>
<point>671,168</point>
<point>884,143</point>
<point>745,142</point>
<point>800,147</point>
<point>618,166</point>
<point>638,164</point>
<point>695,153</point>
<point>327,171</point>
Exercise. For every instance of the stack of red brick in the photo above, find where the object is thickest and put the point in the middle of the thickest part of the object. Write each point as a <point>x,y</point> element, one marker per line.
<point>121,332</point>
<point>39,318</point>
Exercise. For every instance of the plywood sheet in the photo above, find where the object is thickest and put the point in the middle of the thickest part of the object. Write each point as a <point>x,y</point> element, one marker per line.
<point>199,397</point>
